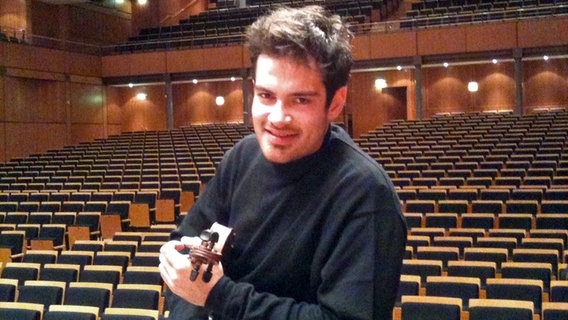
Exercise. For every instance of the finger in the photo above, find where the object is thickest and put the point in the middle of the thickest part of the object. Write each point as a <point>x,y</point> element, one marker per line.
<point>191,242</point>
<point>169,246</point>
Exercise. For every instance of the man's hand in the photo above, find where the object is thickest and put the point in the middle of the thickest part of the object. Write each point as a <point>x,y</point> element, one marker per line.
<point>175,269</point>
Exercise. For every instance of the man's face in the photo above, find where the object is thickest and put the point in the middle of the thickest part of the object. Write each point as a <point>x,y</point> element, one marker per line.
<point>289,115</point>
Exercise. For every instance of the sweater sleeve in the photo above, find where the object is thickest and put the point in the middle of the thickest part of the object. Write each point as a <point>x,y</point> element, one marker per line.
<point>358,281</point>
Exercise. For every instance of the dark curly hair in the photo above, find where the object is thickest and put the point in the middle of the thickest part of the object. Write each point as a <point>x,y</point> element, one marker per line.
<point>304,33</point>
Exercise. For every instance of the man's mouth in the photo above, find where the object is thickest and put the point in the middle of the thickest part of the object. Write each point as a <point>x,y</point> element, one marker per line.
<point>281,137</point>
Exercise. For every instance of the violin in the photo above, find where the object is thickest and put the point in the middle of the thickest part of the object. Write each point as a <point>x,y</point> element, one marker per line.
<point>209,251</point>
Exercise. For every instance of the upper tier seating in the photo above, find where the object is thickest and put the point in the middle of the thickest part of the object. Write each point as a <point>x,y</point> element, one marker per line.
<point>226,25</point>
<point>426,13</point>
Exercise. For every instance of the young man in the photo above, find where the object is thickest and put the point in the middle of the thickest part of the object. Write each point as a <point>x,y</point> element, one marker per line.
<point>318,224</point>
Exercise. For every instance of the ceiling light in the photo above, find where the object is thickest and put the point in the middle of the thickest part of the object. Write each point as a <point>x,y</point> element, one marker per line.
<point>131,85</point>
<point>233,78</point>
<point>142,2</point>
<point>446,64</point>
<point>398,68</point>
<point>494,61</point>
<point>545,58</point>
<point>141,96</point>
<point>194,81</point>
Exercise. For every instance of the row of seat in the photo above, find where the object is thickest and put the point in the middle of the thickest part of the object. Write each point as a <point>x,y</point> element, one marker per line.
<point>34,311</point>
<point>434,200</point>
<point>226,25</point>
<point>434,13</point>
<point>445,308</point>
<point>117,273</point>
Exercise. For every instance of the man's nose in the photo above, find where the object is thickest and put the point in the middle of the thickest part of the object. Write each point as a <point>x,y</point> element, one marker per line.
<point>278,114</point>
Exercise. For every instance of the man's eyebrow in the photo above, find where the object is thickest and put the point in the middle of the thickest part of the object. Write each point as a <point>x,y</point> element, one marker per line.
<point>307,93</point>
<point>261,88</point>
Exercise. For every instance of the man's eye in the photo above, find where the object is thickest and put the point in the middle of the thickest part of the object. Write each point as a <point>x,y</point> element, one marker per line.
<point>301,100</point>
<point>264,95</point>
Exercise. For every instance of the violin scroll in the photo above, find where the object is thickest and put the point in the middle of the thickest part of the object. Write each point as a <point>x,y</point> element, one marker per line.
<point>205,254</point>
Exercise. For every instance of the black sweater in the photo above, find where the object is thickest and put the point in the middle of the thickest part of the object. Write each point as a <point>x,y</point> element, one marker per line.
<point>318,238</point>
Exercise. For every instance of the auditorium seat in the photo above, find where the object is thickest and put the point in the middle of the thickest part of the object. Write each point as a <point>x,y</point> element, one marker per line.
<point>422,268</point>
<point>464,288</point>
<point>515,289</point>
<point>21,310</point>
<point>481,270</point>
<point>71,312</point>
<point>503,309</point>
<point>426,307</point>
<point>92,294</point>
<point>554,310</point>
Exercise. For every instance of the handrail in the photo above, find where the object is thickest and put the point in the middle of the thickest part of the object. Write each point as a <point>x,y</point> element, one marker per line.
<point>172,16</point>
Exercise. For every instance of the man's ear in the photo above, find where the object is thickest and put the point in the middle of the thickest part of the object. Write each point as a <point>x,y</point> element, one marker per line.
<point>336,105</point>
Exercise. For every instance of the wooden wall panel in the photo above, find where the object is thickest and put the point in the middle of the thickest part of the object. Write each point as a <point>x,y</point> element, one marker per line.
<point>50,136</point>
<point>441,40</point>
<point>30,100</point>
<point>114,129</point>
<point>115,66</point>
<point>34,58</point>
<point>391,45</point>
<point>86,104</point>
<point>13,14</point>
<point>3,156</point>
<point>491,36</point>
<point>246,59</point>
<point>369,106</point>
<point>551,31</point>
<point>195,103</point>
<point>445,90</point>
<point>230,57</point>
<point>232,110</point>
<point>93,26</point>
<point>84,65</point>
<point>361,47</point>
<point>21,139</point>
<point>147,63</point>
<point>546,84</point>
<point>2,101</point>
<point>44,19</point>
<point>86,132</point>
<point>144,115</point>
<point>496,86</point>
<point>185,60</point>
<point>27,138</point>
<point>114,102</point>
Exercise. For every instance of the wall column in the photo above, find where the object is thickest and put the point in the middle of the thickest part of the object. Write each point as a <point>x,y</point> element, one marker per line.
<point>169,102</point>
<point>246,95</point>
<point>418,87</point>
<point>518,56</point>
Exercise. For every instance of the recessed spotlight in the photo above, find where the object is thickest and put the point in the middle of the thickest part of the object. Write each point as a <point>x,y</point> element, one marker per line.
<point>219,100</point>
<point>472,86</point>
<point>446,64</point>
<point>398,68</point>
<point>545,58</point>
<point>131,85</point>
<point>380,83</point>
<point>233,78</point>
<point>494,61</point>
<point>141,96</point>
<point>194,81</point>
